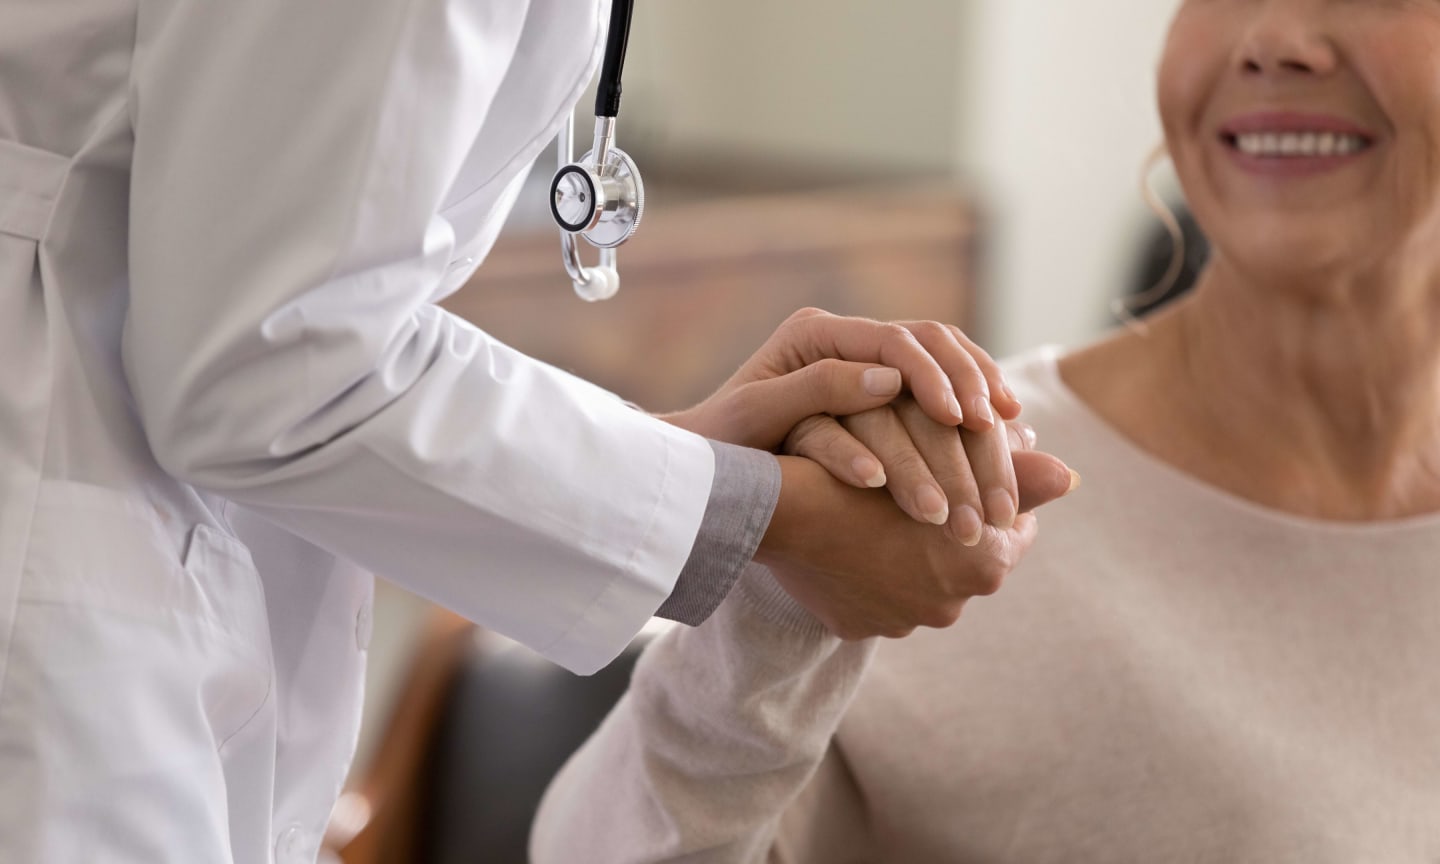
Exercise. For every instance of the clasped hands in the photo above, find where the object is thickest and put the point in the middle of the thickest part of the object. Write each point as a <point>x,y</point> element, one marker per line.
<point>852,405</point>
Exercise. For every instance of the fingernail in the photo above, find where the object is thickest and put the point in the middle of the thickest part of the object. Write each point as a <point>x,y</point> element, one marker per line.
<point>1027,432</point>
<point>1074,481</point>
<point>969,526</point>
<point>1000,508</point>
<point>1009,394</point>
<point>870,472</point>
<point>982,409</point>
<point>954,405</point>
<point>881,382</point>
<point>931,503</point>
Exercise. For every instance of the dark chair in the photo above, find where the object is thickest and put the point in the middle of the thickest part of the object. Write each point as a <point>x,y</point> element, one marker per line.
<point>477,732</point>
<point>511,721</point>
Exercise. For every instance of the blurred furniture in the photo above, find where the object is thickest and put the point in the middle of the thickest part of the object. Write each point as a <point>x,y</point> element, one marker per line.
<point>474,738</point>
<point>376,821</point>
<point>704,283</point>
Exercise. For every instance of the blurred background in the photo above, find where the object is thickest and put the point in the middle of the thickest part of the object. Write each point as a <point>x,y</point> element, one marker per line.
<point>973,161</point>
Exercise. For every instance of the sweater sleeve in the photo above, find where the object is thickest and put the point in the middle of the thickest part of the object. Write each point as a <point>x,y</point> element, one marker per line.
<point>723,727</point>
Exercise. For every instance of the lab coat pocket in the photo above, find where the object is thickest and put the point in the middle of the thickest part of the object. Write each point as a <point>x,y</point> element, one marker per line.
<point>132,663</point>
<point>231,600</point>
<point>111,611</point>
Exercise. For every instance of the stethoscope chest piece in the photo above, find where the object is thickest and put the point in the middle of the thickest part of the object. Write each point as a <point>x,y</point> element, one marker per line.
<point>602,203</point>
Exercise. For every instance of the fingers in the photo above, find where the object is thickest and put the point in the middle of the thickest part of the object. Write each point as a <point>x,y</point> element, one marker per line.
<point>942,452</point>
<point>809,336</point>
<point>990,462</point>
<point>822,439</point>
<point>912,468</point>
<point>975,471</point>
<point>1020,435</point>
<point>765,411</point>
<point>1041,478</point>
<point>1001,396</point>
<point>951,377</point>
<point>864,569</point>
<point>967,377</point>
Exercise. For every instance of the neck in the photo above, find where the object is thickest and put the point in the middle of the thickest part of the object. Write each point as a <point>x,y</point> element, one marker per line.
<point>1322,402</point>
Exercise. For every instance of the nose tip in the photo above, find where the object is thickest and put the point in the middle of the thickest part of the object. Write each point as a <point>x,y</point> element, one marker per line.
<point>1287,39</point>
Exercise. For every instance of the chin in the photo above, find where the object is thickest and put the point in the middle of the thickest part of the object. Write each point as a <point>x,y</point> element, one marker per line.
<point>1291,251</point>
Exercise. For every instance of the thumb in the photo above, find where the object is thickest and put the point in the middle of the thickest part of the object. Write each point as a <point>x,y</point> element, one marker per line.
<point>768,409</point>
<point>1041,478</point>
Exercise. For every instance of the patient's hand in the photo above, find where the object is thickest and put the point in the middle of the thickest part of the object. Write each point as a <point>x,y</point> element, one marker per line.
<point>864,568</point>
<point>963,479</point>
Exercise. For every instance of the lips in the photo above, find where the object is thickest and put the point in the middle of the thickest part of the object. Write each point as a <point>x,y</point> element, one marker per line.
<point>1294,144</point>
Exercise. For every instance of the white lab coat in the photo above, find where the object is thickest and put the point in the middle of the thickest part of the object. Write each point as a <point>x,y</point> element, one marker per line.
<point>226,395</point>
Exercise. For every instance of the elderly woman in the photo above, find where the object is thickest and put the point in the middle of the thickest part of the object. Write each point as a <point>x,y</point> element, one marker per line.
<point>1224,648</point>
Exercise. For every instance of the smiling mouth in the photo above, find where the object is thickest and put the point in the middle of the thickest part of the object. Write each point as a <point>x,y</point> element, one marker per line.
<point>1297,145</point>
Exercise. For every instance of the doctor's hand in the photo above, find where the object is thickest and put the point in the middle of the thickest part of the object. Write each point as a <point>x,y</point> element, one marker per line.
<point>821,364</point>
<point>864,568</point>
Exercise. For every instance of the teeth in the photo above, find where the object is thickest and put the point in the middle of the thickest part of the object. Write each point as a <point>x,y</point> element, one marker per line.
<point>1293,144</point>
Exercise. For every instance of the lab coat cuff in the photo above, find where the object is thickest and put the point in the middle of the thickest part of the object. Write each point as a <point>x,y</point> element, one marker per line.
<point>619,612</point>
<point>742,500</point>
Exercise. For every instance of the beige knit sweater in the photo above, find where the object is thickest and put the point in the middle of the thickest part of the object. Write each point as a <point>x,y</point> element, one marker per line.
<point>1172,675</point>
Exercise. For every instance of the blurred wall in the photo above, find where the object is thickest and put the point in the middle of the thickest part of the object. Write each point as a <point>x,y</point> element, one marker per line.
<point>1044,108</point>
<point>1057,117</point>
<point>853,85</point>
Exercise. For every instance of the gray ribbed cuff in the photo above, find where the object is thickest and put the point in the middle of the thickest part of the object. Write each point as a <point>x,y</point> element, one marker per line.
<point>759,588</point>
<point>742,500</point>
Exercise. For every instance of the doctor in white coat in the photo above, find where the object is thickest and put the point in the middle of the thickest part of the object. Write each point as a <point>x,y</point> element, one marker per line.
<point>227,396</point>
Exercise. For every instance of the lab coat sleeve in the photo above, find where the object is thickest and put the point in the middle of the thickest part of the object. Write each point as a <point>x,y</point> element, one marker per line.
<point>297,173</point>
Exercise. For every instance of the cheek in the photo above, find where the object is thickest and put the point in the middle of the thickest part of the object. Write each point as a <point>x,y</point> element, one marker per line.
<point>1183,83</point>
<point>1192,62</point>
<point>1404,78</point>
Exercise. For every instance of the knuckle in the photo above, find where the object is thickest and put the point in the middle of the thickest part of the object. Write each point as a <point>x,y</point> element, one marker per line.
<point>897,333</point>
<point>805,314</point>
<point>874,421</point>
<point>931,331</point>
<point>910,412</point>
<point>969,344</point>
<point>808,435</point>
<point>947,615</point>
<point>898,631</point>
<point>953,473</point>
<point>940,617</point>
<point>990,576</point>
<point>825,370</point>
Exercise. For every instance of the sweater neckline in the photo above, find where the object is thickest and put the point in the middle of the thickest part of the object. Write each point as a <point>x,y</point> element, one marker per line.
<point>1045,365</point>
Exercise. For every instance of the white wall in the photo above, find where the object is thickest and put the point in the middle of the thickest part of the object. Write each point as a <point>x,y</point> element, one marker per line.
<point>1057,118</point>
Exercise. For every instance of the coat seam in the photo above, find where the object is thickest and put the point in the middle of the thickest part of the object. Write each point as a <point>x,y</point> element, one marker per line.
<point>29,532</point>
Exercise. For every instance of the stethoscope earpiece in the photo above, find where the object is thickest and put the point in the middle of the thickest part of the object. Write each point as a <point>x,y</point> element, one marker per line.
<point>600,283</point>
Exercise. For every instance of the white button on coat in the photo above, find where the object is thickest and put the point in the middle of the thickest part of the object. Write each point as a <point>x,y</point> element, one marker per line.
<point>223,228</point>
<point>291,848</point>
<point>364,627</point>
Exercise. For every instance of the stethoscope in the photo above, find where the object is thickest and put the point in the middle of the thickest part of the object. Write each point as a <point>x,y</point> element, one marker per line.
<point>600,197</point>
